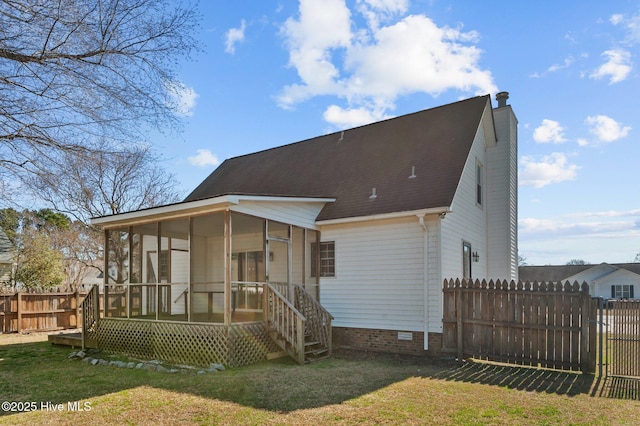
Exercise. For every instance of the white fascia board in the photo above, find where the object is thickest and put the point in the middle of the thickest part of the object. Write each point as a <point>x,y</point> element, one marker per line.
<point>239,198</point>
<point>169,210</point>
<point>192,207</point>
<point>395,215</point>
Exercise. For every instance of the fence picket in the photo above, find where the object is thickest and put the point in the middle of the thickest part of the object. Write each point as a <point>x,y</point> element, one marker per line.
<point>522,323</point>
<point>42,311</point>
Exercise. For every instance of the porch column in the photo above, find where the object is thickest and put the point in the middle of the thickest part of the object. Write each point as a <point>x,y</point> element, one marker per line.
<point>290,262</point>
<point>227,267</point>
<point>105,260</point>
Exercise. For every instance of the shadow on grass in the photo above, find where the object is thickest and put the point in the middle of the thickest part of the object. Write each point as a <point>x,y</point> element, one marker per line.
<point>618,388</point>
<point>520,378</point>
<point>41,372</point>
<point>542,380</point>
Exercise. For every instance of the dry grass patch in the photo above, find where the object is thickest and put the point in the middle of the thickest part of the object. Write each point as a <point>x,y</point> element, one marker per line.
<point>351,388</point>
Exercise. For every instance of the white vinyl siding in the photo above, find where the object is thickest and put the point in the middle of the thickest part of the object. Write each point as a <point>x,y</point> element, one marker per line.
<point>302,214</point>
<point>379,280</point>
<point>502,199</point>
<point>466,222</point>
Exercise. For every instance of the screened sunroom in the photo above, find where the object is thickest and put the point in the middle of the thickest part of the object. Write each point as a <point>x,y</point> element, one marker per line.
<point>212,270</point>
<point>176,269</point>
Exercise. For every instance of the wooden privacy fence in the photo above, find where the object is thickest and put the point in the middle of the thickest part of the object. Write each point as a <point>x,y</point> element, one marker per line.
<point>23,311</point>
<point>551,325</point>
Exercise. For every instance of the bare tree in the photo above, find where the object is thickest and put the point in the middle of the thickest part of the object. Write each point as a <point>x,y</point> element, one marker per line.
<point>93,184</point>
<point>77,73</point>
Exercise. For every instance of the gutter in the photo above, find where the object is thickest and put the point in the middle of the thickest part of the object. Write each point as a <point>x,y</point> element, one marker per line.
<point>442,211</point>
<point>425,279</point>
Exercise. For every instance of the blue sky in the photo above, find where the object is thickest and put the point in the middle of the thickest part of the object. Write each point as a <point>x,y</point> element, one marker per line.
<point>278,72</point>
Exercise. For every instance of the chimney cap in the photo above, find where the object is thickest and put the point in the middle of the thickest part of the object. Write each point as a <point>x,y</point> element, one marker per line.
<point>502,97</point>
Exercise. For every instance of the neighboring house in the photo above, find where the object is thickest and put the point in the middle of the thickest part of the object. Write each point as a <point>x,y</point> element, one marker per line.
<point>7,258</point>
<point>609,281</point>
<point>369,220</point>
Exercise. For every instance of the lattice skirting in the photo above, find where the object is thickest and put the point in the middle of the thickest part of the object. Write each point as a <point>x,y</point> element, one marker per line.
<point>184,343</point>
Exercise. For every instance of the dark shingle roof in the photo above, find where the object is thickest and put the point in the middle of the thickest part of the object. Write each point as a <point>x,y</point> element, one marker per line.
<point>555,273</point>
<point>347,165</point>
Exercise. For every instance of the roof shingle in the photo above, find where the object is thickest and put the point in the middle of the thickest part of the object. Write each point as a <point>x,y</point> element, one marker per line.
<point>348,165</point>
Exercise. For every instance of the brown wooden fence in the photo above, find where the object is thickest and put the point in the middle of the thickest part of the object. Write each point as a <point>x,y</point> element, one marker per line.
<point>23,311</point>
<point>540,324</point>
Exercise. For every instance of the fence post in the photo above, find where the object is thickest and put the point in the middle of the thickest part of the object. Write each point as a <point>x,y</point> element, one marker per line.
<point>587,356</point>
<point>19,313</point>
<point>458,293</point>
<point>600,334</point>
<point>77,297</point>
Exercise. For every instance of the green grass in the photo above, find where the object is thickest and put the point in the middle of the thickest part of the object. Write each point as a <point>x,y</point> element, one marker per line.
<point>350,388</point>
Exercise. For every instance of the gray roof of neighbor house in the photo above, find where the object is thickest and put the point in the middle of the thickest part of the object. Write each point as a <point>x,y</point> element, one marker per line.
<point>348,165</point>
<point>6,248</point>
<point>555,273</point>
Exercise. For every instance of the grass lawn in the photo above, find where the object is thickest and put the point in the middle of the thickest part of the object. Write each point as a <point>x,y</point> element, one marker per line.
<point>350,388</point>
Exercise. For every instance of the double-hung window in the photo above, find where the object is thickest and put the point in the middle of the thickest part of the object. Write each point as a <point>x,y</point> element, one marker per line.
<point>622,291</point>
<point>466,260</point>
<point>326,262</point>
<point>479,184</point>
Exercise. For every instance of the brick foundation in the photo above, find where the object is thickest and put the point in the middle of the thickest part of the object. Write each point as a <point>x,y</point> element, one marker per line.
<point>377,340</point>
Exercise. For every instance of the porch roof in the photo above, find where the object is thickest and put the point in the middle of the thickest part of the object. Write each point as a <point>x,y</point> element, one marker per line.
<point>190,208</point>
<point>410,163</point>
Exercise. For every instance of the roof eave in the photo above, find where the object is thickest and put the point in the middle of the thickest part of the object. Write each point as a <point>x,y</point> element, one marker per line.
<point>382,216</point>
<point>189,208</point>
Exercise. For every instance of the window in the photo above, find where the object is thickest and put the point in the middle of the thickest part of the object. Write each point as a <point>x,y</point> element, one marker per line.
<point>248,266</point>
<point>479,183</point>
<point>466,260</point>
<point>622,291</point>
<point>327,261</point>
<point>163,268</point>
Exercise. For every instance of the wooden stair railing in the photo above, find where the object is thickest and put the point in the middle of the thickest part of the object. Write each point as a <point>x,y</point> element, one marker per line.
<point>285,323</point>
<point>90,315</point>
<point>302,327</point>
<point>317,325</point>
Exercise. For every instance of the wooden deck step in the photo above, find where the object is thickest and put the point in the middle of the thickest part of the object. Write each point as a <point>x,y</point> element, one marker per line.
<point>71,339</point>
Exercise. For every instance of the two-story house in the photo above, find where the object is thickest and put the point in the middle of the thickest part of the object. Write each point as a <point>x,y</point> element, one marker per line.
<point>367,221</point>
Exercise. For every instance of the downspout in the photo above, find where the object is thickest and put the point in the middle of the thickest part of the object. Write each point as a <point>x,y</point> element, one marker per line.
<point>425,279</point>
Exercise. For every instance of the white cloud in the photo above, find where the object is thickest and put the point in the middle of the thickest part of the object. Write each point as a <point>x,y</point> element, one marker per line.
<point>371,67</point>
<point>233,37</point>
<point>352,117</point>
<point>609,213</point>
<point>616,19</point>
<point>549,131</point>
<point>606,129</point>
<point>182,98</point>
<point>544,171</point>
<point>204,158</point>
<point>376,11</point>
<point>631,25</point>
<point>310,44</point>
<point>566,64</point>
<point>584,229</point>
<point>617,67</point>
<point>415,55</point>
<point>594,236</point>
